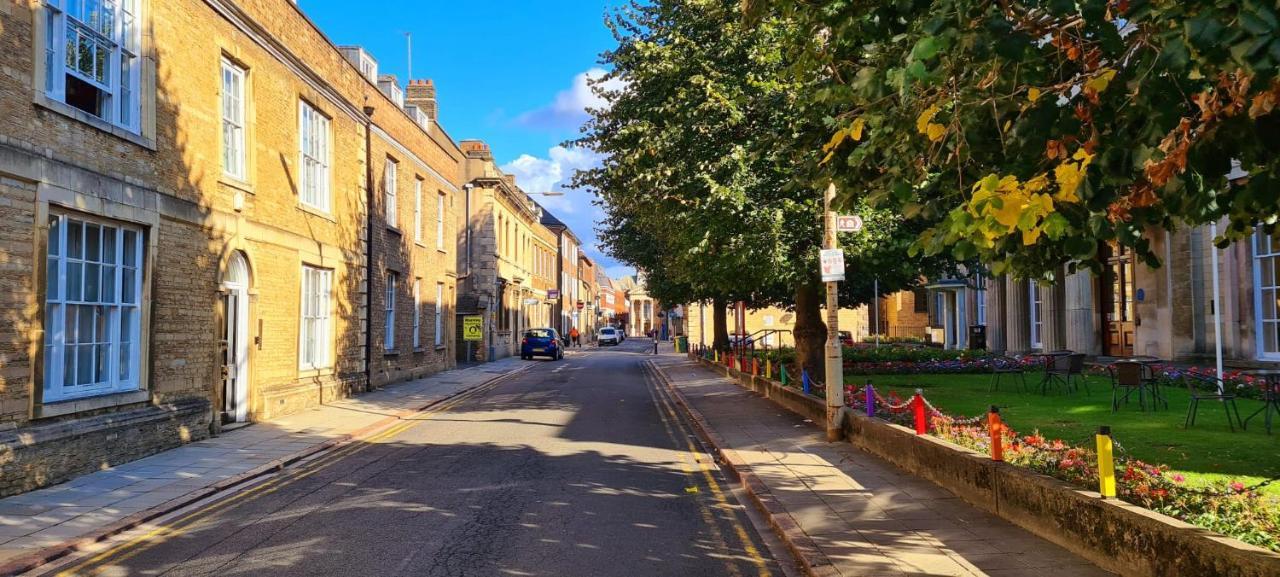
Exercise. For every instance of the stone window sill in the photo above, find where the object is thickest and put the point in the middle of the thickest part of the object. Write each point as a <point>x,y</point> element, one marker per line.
<point>72,406</point>
<point>74,113</point>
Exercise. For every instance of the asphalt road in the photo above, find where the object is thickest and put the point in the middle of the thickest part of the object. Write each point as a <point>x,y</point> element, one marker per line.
<point>576,467</point>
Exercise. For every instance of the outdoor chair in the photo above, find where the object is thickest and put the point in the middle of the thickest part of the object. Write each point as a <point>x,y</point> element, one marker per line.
<point>1007,365</point>
<point>1067,369</point>
<point>1130,377</point>
<point>1197,394</point>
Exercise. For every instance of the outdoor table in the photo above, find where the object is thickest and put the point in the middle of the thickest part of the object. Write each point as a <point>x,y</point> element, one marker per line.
<point>1046,379</point>
<point>1270,396</point>
<point>1152,384</point>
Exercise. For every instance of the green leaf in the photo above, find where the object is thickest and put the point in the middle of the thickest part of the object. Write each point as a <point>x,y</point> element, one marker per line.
<point>926,48</point>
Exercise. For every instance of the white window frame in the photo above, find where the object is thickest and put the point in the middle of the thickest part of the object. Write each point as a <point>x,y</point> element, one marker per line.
<point>389,309</point>
<point>313,157</point>
<point>417,210</point>
<point>313,332</point>
<point>1034,306</point>
<point>417,314</point>
<point>1266,293</point>
<point>439,320</point>
<point>980,302</point>
<point>113,310</point>
<point>390,173</point>
<point>120,34</point>
<point>235,155</point>
<point>440,222</point>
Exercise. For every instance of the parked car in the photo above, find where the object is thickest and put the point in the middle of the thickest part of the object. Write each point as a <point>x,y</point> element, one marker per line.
<point>846,339</point>
<point>541,342</point>
<point>607,336</point>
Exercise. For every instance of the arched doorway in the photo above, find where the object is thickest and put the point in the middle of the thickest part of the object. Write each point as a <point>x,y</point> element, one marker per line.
<point>235,340</point>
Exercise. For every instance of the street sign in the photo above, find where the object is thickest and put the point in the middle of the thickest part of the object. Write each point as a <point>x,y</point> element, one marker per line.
<point>531,301</point>
<point>581,305</point>
<point>473,328</point>
<point>553,294</point>
<point>848,223</point>
<point>832,265</point>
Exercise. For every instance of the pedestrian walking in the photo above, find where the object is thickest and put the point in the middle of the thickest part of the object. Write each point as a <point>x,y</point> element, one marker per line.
<point>575,336</point>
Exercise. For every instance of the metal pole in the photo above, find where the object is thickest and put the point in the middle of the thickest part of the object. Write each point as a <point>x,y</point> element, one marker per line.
<point>408,39</point>
<point>834,365</point>
<point>1217,305</point>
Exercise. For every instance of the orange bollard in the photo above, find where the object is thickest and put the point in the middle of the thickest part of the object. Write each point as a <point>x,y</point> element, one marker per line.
<point>755,367</point>
<point>996,429</point>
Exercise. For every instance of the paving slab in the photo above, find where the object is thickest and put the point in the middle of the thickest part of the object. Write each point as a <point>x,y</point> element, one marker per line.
<point>864,517</point>
<point>86,506</point>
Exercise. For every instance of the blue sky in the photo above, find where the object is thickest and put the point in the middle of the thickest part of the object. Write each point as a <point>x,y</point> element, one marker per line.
<point>510,72</point>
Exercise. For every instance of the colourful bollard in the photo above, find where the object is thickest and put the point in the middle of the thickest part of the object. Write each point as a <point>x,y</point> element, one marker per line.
<point>783,370</point>
<point>768,368</point>
<point>871,400</point>
<point>1106,463</point>
<point>716,355</point>
<point>917,402</point>
<point>755,367</point>
<point>995,428</point>
<point>804,381</point>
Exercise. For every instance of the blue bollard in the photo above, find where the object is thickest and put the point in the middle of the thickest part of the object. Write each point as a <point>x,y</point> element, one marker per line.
<point>804,381</point>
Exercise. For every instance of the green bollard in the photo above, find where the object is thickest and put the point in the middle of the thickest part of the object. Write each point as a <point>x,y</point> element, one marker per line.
<point>782,369</point>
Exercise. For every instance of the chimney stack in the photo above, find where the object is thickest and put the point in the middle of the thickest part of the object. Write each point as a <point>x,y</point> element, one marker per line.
<point>475,149</point>
<point>422,93</point>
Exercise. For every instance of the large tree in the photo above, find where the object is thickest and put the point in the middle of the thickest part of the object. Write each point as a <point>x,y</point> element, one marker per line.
<point>703,188</point>
<point>1032,132</point>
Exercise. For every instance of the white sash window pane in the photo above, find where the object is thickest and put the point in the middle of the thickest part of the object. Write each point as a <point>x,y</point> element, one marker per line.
<point>389,320</point>
<point>439,318</point>
<point>389,186</point>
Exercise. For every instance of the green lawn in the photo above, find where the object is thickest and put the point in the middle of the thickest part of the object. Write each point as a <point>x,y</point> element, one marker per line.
<point>1207,451</point>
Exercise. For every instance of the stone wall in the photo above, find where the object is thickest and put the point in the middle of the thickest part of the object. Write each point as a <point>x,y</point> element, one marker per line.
<point>1117,536</point>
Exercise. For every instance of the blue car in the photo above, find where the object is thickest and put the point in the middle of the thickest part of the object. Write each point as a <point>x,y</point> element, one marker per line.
<point>541,342</point>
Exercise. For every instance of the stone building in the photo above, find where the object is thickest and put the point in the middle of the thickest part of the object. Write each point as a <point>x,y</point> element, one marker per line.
<point>564,312</point>
<point>586,305</point>
<point>413,269</point>
<point>642,311</point>
<point>186,236</point>
<point>505,257</point>
<point>1132,309</point>
<point>770,326</point>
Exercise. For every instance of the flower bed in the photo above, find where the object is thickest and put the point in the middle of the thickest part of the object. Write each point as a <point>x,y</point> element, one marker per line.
<point>1229,507</point>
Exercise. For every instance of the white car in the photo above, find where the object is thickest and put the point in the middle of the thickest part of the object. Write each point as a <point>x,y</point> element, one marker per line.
<point>608,336</point>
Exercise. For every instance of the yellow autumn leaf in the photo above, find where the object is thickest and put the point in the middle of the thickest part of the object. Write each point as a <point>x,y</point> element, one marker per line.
<point>1100,82</point>
<point>935,131</point>
<point>1036,184</point>
<point>1030,236</point>
<point>855,131</point>
<point>1068,176</point>
<point>1009,212</point>
<point>925,118</point>
<point>836,139</point>
<point>1033,94</point>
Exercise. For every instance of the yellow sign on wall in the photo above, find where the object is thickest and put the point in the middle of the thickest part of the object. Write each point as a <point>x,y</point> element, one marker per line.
<point>473,328</point>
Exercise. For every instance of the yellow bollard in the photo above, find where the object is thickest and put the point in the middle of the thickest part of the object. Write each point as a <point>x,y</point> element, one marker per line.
<point>768,368</point>
<point>717,356</point>
<point>1106,464</point>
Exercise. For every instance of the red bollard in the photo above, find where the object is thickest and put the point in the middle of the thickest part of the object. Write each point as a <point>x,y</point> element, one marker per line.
<point>922,425</point>
<point>996,429</point>
<point>755,367</point>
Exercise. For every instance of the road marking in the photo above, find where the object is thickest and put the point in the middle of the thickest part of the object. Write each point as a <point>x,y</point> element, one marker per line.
<point>669,416</point>
<point>142,543</point>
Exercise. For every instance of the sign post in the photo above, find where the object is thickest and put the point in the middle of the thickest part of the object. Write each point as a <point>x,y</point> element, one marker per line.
<point>832,273</point>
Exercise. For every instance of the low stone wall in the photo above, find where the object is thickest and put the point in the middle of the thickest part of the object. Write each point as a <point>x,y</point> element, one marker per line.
<point>42,455</point>
<point>1117,536</point>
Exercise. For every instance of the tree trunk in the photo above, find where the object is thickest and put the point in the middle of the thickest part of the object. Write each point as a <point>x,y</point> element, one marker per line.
<point>719,325</point>
<point>810,331</point>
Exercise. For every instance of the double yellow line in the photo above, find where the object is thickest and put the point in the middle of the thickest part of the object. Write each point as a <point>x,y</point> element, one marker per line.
<point>142,543</point>
<point>677,430</point>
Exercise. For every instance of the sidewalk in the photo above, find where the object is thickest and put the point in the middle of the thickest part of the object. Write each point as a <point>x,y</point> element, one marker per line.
<point>108,501</point>
<point>862,515</point>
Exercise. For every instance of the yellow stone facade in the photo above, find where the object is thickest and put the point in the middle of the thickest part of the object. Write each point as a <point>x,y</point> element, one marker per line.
<point>217,242</point>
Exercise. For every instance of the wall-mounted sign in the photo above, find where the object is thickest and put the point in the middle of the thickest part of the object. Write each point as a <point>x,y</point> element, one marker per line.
<point>553,294</point>
<point>473,328</point>
<point>581,305</point>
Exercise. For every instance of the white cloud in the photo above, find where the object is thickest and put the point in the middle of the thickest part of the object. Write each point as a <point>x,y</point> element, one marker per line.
<point>575,208</point>
<point>617,272</point>
<point>569,109</point>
